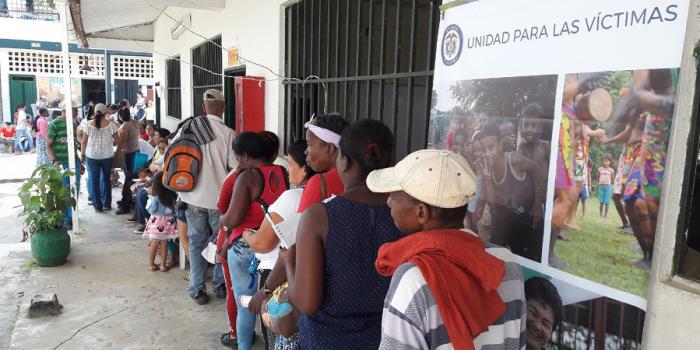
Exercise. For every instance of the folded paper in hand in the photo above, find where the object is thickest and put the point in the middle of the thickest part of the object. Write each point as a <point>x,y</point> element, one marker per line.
<point>209,253</point>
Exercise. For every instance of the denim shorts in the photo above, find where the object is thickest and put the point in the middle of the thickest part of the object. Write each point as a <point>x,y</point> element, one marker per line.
<point>180,211</point>
<point>180,215</point>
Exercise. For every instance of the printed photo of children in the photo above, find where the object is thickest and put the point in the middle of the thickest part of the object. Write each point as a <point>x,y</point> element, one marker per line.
<point>613,139</point>
<point>502,127</point>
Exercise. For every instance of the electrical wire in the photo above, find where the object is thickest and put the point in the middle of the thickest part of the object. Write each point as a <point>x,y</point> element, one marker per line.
<point>325,89</point>
<point>138,43</point>
<point>217,45</point>
<point>278,76</point>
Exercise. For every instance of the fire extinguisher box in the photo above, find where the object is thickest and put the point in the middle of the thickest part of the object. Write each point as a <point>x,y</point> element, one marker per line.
<point>250,103</point>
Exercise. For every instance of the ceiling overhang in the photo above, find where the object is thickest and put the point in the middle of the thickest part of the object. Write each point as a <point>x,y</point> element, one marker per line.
<point>126,19</point>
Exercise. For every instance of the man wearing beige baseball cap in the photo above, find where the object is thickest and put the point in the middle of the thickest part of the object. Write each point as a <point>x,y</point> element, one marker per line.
<point>215,140</point>
<point>479,296</point>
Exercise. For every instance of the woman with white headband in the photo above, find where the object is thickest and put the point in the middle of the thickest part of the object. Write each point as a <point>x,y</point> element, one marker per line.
<point>323,138</point>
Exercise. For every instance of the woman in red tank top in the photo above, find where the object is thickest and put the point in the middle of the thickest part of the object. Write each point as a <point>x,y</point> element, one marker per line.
<point>255,180</point>
<point>323,137</point>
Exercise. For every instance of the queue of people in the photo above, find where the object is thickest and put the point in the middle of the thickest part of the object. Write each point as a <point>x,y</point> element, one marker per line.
<point>344,247</point>
<point>379,256</point>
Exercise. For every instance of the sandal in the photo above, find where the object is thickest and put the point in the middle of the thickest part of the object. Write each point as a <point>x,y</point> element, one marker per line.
<point>152,268</point>
<point>164,268</point>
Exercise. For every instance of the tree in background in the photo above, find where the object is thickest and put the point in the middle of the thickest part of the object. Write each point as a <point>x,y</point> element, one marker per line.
<point>505,97</point>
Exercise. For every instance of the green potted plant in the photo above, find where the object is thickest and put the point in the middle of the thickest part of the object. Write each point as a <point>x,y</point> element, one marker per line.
<point>45,199</point>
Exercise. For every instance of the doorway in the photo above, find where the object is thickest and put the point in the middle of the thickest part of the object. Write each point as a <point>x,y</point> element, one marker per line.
<point>125,89</point>
<point>93,90</point>
<point>22,91</point>
<point>230,95</point>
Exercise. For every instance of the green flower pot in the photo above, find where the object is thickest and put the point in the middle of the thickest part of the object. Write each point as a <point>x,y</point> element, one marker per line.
<point>51,248</point>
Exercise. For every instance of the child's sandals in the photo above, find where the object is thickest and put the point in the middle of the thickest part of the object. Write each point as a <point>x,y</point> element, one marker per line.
<point>164,268</point>
<point>152,268</point>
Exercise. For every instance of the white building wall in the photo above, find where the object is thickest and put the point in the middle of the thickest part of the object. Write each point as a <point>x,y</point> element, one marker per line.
<point>253,27</point>
<point>38,31</point>
<point>24,29</point>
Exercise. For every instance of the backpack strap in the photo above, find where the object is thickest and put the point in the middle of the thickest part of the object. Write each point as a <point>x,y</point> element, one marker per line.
<point>182,125</point>
<point>324,190</point>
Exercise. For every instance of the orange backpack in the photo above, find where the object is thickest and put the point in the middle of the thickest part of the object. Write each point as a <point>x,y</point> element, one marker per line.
<point>182,164</point>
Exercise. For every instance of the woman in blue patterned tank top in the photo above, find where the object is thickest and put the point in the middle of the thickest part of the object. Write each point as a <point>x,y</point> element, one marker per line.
<point>332,279</point>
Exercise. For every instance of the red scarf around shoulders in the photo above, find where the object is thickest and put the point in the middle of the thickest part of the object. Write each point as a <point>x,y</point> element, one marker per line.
<point>462,276</point>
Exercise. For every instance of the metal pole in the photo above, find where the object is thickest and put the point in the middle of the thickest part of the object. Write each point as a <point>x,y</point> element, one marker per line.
<point>61,6</point>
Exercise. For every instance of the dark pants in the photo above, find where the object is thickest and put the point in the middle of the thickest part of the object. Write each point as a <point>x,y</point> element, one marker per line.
<point>129,176</point>
<point>100,171</point>
<point>142,215</point>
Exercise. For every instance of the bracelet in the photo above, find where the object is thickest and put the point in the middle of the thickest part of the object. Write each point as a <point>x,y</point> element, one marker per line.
<point>266,290</point>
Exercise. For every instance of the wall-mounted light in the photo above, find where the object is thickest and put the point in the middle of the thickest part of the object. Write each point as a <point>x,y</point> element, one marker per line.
<point>180,26</point>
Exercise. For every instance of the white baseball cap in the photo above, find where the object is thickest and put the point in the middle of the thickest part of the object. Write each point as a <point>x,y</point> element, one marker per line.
<point>439,178</point>
<point>213,94</point>
<point>101,108</point>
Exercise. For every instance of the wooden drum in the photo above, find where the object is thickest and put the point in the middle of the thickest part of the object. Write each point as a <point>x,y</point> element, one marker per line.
<point>594,106</point>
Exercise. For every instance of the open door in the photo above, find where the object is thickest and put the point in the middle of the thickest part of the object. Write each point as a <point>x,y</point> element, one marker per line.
<point>93,90</point>
<point>230,95</point>
<point>22,90</point>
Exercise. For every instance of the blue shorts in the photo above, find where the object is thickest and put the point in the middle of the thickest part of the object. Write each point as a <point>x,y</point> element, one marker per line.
<point>604,194</point>
<point>583,195</point>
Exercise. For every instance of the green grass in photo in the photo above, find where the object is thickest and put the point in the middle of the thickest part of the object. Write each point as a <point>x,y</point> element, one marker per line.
<point>600,253</point>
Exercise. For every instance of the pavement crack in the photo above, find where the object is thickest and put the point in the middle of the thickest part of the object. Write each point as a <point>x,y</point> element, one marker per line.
<point>148,300</point>
<point>88,325</point>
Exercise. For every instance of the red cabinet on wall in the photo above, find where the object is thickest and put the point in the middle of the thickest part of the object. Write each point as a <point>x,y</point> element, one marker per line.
<point>250,103</point>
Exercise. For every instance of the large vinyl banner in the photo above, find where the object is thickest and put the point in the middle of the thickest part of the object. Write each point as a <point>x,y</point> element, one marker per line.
<point>563,109</point>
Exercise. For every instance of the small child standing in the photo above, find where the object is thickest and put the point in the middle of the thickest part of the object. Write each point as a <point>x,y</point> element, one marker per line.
<point>605,176</point>
<point>161,225</point>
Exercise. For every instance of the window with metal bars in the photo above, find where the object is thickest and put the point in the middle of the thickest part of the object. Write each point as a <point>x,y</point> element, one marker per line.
<point>174,89</point>
<point>370,58</point>
<point>210,57</point>
<point>29,9</point>
<point>600,323</point>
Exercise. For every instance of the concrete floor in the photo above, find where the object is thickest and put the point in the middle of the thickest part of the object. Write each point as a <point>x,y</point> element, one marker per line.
<point>109,298</point>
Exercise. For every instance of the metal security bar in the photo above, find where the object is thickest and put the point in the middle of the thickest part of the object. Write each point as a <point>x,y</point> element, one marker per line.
<point>174,88</point>
<point>207,55</point>
<point>599,324</point>
<point>29,9</point>
<point>370,58</point>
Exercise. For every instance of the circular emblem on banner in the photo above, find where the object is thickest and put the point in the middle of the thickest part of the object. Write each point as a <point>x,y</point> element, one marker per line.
<point>451,44</point>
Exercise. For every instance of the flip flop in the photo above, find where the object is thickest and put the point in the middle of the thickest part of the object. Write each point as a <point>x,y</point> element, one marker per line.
<point>164,268</point>
<point>152,268</point>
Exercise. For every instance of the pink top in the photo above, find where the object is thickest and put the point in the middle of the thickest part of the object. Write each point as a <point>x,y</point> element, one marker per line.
<point>43,125</point>
<point>605,176</point>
